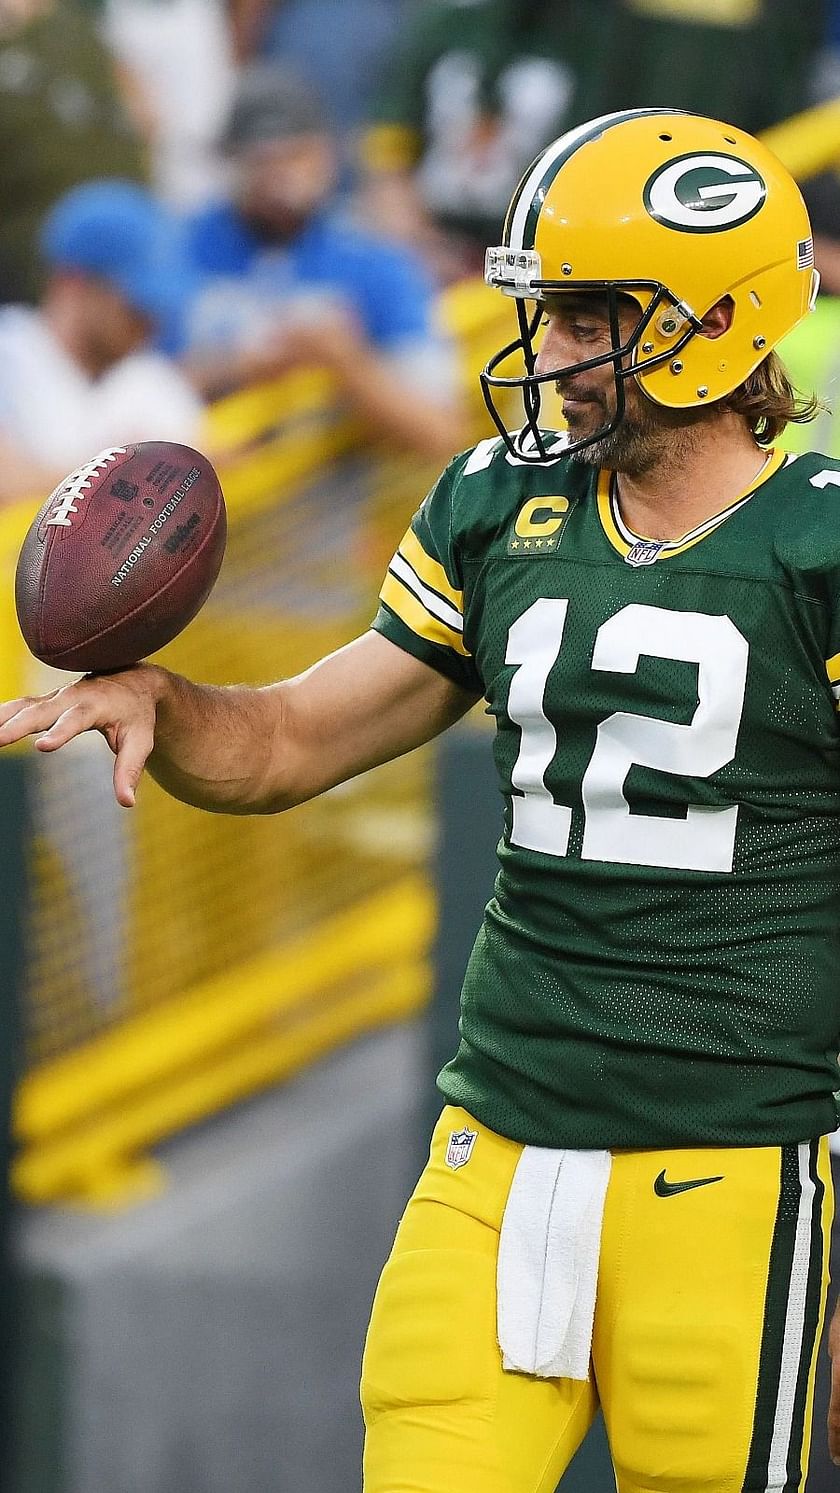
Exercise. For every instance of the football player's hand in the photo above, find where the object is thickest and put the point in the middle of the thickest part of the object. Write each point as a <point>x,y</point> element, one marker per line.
<point>834,1402</point>
<point>122,707</point>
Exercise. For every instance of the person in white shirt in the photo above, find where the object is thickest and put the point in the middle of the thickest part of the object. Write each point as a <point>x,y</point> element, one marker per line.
<point>78,372</point>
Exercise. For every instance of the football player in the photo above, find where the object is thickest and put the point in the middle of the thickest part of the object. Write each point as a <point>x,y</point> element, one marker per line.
<point>649,603</point>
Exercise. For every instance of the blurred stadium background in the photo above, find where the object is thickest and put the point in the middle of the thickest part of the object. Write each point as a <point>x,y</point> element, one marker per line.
<point>226,1030</point>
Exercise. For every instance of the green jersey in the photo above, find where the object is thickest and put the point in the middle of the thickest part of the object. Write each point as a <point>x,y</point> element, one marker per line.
<point>660,963</point>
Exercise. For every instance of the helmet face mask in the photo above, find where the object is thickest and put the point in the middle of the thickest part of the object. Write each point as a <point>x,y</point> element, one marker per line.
<point>528,444</point>
<point>676,212</point>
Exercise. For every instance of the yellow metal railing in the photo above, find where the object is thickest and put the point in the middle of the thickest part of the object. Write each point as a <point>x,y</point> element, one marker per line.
<point>247,946</point>
<point>809,142</point>
<point>86,1121</point>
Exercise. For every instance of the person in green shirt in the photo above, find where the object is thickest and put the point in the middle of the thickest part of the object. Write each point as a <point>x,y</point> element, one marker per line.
<point>747,61</point>
<point>64,119</point>
<point>472,93</point>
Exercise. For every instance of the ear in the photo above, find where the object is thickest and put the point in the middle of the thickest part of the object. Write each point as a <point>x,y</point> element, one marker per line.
<point>718,318</point>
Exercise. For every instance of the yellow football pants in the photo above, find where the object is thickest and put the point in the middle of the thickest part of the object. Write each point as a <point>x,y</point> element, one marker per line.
<point>709,1307</point>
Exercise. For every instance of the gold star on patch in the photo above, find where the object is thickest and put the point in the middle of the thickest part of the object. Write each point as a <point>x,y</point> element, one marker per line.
<point>514,544</point>
<point>538,543</point>
<point>526,544</point>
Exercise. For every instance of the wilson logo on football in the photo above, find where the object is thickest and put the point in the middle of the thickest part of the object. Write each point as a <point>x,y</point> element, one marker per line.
<point>704,193</point>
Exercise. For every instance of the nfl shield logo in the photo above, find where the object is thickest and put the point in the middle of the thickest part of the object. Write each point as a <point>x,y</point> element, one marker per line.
<point>460,1148</point>
<point>643,552</point>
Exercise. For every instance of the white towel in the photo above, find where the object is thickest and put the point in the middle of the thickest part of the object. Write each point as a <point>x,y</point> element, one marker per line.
<point>548,1261</point>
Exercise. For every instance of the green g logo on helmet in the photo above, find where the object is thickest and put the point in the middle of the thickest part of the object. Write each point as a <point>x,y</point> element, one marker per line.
<point>704,193</point>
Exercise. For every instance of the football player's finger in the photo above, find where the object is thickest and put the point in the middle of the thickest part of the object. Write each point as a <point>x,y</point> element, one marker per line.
<point>61,725</point>
<point>132,750</point>
<point>31,716</point>
<point>11,708</point>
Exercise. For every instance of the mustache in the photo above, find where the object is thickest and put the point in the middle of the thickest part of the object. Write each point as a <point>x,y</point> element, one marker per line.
<point>573,391</point>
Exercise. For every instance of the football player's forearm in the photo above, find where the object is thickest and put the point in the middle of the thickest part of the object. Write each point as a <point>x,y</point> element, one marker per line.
<point>363,705</point>
<point>213,745</point>
<point>237,750</point>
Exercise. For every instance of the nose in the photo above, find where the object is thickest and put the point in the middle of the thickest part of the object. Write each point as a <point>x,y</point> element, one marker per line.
<point>554,349</point>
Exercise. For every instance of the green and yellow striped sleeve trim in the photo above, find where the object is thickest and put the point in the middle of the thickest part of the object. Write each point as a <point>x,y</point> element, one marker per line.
<point>832,669</point>
<point>418,590</point>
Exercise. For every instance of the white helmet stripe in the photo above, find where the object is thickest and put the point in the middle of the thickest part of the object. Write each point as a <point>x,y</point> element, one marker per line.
<point>565,146</point>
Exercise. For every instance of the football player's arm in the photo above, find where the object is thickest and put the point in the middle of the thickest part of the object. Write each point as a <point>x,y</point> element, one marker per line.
<point>240,750</point>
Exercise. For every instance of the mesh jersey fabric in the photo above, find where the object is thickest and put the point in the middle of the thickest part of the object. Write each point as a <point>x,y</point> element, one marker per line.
<point>658,964</point>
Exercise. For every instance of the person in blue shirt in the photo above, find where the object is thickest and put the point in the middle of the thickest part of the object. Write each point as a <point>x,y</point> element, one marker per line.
<point>286,281</point>
<point>293,31</point>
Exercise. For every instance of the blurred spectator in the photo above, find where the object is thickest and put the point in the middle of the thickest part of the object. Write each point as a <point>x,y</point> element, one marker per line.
<point>825,75</point>
<point>745,61</point>
<point>475,91</point>
<point>76,373</point>
<point>181,51</point>
<point>63,119</point>
<point>822,197</point>
<point>288,284</point>
<point>247,23</point>
<point>822,192</point>
<point>348,69</point>
<point>76,376</point>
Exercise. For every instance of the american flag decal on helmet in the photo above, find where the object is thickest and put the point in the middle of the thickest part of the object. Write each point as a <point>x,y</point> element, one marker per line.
<point>805,254</point>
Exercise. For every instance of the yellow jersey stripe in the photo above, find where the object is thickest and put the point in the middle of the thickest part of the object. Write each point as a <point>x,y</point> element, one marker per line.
<point>430,599</point>
<point>414,615</point>
<point>429,570</point>
<point>832,669</point>
<point>605,513</point>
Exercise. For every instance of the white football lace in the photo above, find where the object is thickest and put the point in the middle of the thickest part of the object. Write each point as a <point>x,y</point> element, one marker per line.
<point>77,484</point>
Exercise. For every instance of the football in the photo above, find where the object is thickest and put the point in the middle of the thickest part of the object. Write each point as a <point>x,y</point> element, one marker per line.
<point>121,556</point>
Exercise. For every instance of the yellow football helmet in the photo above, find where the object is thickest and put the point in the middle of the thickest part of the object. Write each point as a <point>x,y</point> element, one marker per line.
<point>676,211</point>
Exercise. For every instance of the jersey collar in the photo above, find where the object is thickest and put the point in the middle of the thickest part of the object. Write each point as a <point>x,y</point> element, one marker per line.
<point>627,543</point>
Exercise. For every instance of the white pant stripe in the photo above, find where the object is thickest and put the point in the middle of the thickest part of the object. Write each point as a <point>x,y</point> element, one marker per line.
<point>794,1329</point>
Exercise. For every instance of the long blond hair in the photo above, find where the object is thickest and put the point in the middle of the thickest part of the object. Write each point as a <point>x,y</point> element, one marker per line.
<point>768,401</point>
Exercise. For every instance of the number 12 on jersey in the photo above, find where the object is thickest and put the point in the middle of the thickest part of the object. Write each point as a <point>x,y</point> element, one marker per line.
<point>702,841</point>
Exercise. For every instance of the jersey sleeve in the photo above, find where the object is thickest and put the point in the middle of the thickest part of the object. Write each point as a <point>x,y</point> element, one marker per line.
<point>422,598</point>
<point>815,482</point>
<point>832,650</point>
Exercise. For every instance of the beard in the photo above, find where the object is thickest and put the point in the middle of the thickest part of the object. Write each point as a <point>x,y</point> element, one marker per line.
<point>645,434</point>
